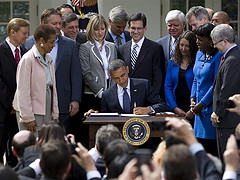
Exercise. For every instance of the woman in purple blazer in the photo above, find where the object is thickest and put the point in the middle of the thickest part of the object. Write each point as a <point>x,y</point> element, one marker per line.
<point>179,75</point>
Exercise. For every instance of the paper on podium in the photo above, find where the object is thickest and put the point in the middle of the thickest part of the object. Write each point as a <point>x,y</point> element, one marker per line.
<point>133,115</point>
<point>104,115</point>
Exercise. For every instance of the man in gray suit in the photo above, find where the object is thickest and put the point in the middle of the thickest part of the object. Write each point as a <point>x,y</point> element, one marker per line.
<point>67,67</point>
<point>226,84</point>
<point>176,22</point>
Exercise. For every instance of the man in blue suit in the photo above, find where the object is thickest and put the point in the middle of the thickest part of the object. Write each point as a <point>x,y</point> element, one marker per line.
<point>117,20</point>
<point>143,98</point>
<point>176,22</point>
<point>67,67</point>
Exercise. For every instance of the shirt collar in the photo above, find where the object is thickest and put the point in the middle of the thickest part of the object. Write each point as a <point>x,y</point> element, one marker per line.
<point>98,44</point>
<point>12,46</point>
<point>229,49</point>
<point>139,43</point>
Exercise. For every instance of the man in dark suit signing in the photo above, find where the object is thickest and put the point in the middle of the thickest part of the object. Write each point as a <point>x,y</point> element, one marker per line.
<point>226,84</point>
<point>130,95</point>
<point>145,58</point>
<point>10,53</point>
<point>117,20</point>
<point>67,68</point>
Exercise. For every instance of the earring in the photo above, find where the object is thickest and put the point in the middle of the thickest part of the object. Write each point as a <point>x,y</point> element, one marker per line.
<point>41,44</point>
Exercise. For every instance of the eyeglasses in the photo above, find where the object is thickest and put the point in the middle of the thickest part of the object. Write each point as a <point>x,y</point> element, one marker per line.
<point>214,44</point>
<point>138,29</point>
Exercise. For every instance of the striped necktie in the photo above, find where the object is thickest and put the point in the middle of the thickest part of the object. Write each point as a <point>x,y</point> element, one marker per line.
<point>134,56</point>
<point>173,47</point>
<point>119,42</point>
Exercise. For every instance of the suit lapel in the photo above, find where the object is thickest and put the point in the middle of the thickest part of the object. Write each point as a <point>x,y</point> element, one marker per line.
<point>96,53</point>
<point>9,54</point>
<point>60,51</point>
<point>108,52</point>
<point>127,52</point>
<point>114,95</point>
<point>143,51</point>
<point>167,47</point>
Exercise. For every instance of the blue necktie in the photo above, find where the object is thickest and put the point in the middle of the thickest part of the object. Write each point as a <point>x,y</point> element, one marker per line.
<point>126,102</point>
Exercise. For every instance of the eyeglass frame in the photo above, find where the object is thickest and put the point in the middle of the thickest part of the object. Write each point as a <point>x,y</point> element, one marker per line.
<point>214,44</point>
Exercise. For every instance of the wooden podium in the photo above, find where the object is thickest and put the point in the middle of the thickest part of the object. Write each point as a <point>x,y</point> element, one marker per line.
<point>96,122</point>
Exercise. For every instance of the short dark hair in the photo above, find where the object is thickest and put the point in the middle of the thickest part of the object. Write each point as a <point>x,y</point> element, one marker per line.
<point>55,158</point>
<point>20,146</point>
<point>45,31</point>
<point>105,135</point>
<point>116,64</point>
<point>65,6</point>
<point>116,148</point>
<point>179,163</point>
<point>47,13</point>
<point>138,17</point>
<point>68,17</point>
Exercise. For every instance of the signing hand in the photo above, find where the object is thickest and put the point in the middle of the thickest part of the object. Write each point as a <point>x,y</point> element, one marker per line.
<point>141,110</point>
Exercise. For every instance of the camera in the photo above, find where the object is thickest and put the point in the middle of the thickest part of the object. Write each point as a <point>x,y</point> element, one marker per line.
<point>143,156</point>
<point>230,104</point>
<point>160,126</point>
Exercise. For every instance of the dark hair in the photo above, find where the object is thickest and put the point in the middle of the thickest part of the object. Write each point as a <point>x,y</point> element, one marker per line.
<point>44,31</point>
<point>65,6</point>
<point>138,17</point>
<point>55,157</point>
<point>116,148</point>
<point>50,131</point>
<point>105,135</point>
<point>47,13</point>
<point>179,163</point>
<point>116,64</point>
<point>205,31</point>
<point>191,38</point>
<point>20,146</point>
<point>7,173</point>
<point>68,17</point>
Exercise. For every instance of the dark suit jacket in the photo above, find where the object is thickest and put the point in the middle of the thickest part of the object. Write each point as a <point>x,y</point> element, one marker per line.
<point>8,68</point>
<point>150,62</point>
<point>141,93</point>
<point>206,168</point>
<point>67,71</point>
<point>126,34</point>
<point>227,84</point>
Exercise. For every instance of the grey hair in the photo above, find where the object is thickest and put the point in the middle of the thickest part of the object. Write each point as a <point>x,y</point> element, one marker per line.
<point>199,12</point>
<point>116,64</point>
<point>175,14</point>
<point>118,14</point>
<point>105,135</point>
<point>223,31</point>
<point>67,18</point>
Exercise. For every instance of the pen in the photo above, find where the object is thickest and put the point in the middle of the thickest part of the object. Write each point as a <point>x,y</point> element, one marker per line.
<point>135,104</point>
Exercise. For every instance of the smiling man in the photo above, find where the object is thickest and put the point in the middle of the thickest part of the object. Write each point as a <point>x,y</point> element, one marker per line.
<point>145,58</point>
<point>130,95</point>
<point>176,22</point>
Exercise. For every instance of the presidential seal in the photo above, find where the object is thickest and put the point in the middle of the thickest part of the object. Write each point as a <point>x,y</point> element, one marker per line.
<point>136,131</point>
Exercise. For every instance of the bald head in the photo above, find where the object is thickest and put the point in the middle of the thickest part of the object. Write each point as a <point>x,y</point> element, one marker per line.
<point>21,140</point>
<point>220,17</point>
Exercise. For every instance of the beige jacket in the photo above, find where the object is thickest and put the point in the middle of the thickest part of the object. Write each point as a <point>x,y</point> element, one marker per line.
<point>30,96</point>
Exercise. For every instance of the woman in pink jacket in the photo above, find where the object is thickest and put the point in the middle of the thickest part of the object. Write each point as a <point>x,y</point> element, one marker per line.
<point>35,99</point>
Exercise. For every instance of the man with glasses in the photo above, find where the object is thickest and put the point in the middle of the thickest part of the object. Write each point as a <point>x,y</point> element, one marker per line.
<point>226,84</point>
<point>145,58</point>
